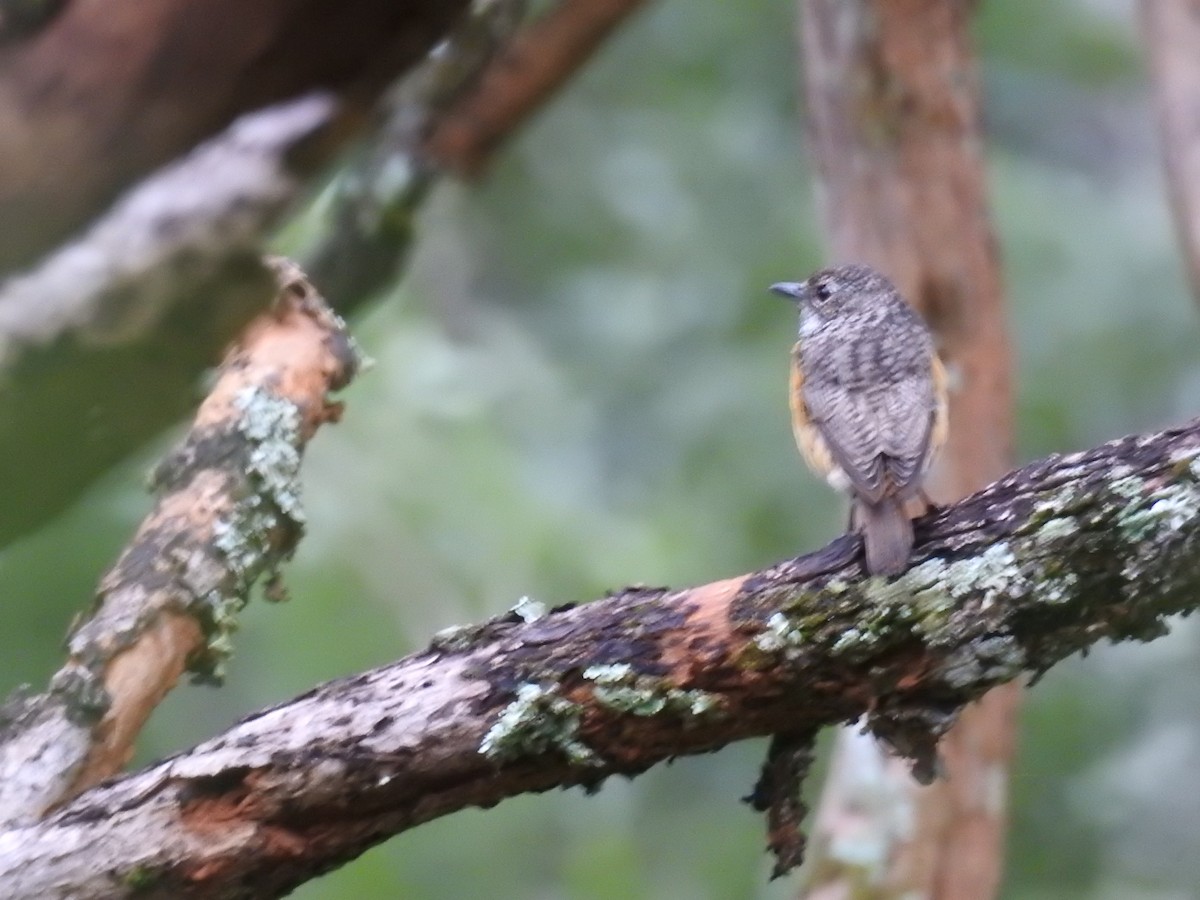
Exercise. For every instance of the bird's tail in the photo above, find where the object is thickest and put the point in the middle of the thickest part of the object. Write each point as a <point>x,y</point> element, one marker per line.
<point>887,535</point>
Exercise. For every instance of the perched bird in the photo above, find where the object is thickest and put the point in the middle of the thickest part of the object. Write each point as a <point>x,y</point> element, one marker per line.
<point>869,402</point>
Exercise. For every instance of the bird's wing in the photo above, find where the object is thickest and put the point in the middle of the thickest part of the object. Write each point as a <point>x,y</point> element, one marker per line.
<point>878,431</point>
<point>906,414</point>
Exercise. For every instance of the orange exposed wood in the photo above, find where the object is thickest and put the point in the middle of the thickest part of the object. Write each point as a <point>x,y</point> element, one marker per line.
<point>516,705</point>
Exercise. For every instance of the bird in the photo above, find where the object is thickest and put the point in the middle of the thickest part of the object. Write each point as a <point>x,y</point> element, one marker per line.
<point>869,402</point>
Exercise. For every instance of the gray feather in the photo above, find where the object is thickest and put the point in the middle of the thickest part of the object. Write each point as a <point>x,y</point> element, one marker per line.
<point>887,535</point>
<point>868,386</point>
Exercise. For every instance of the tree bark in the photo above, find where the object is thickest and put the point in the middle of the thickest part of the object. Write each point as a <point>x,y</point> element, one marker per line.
<point>893,106</point>
<point>1047,561</point>
<point>142,301</point>
<point>1171,29</point>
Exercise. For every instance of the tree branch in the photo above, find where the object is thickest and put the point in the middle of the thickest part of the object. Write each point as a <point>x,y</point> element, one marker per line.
<point>103,93</point>
<point>538,61</point>
<point>140,302</point>
<point>1047,561</point>
<point>112,330</point>
<point>367,226</point>
<point>137,304</point>
<point>228,513</point>
<point>451,115</point>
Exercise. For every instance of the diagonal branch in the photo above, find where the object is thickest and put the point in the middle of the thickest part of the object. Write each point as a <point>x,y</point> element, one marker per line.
<point>368,224</point>
<point>535,64</point>
<point>102,94</point>
<point>228,513</point>
<point>1049,560</point>
<point>116,312</point>
<point>452,114</point>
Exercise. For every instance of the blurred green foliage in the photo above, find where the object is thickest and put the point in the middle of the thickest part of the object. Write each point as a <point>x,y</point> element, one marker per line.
<point>580,384</point>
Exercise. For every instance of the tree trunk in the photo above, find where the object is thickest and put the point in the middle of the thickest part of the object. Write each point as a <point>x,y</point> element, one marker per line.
<point>894,117</point>
<point>1171,29</point>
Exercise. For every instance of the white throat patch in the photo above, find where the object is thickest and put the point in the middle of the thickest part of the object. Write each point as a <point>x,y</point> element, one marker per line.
<point>809,322</point>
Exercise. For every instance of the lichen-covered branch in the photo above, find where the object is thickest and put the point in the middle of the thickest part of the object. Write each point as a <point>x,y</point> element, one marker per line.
<point>228,513</point>
<point>1057,556</point>
<point>138,303</point>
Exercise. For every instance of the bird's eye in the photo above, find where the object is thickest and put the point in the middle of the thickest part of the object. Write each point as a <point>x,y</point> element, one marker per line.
<point>823,290</point>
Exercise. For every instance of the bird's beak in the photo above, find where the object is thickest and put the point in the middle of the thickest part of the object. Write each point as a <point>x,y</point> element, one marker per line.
<point>793,290</point>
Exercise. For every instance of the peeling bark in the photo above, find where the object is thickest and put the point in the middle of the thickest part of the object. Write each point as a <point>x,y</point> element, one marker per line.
<point>1049,560</point>
<point>777,793</point>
